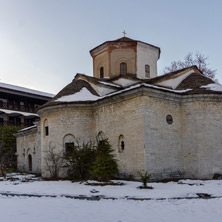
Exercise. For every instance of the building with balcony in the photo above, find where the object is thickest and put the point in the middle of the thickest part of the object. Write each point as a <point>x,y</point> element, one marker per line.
<point>18,105</point>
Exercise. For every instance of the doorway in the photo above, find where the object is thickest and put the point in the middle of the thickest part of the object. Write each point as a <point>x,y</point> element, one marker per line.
<point>30,162</point>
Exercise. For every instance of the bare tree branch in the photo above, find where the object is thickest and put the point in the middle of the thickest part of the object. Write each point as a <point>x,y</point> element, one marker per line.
<point>199,60</point>
<point>54,161</point>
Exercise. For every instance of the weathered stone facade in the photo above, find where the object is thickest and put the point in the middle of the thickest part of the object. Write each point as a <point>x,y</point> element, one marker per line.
<point>29,150</point>
<point>187,148</point>
<point>169,125</point>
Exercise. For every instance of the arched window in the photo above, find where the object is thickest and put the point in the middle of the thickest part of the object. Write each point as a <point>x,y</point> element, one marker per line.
<point>147,71</point>
<point>123,68</point>
<point>101,71</point>
<point>121,143</point>
<point>69,145</point>
<point>101,136</point>
<point>46,128</point>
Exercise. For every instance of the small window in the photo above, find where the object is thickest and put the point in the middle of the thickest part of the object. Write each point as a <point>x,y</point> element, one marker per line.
<point>169,119</point>
<point>147,71</point>
<point>46,130</point>
<point>123,68</point>
<point>46,127</point>
<point>69,147</point>
<point>101,73</point>
<point>1,122</point>
<point>121,143</point>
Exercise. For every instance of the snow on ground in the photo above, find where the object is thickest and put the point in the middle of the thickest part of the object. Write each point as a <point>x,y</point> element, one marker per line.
<point>61,209</point>
<point>68,210</point>
<point>183,188</point>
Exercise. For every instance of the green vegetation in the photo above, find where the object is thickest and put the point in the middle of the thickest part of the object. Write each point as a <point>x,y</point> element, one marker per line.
<point>92,161</point>
<point>80,160</point>
<point>7,149</point>
<point>105,165</point>
<point>145,177</point>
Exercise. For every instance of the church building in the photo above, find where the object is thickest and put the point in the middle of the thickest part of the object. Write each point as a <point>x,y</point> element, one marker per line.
<point>168,125</point>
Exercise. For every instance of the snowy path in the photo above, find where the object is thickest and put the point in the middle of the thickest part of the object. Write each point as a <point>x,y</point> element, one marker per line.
<point>60,209</point>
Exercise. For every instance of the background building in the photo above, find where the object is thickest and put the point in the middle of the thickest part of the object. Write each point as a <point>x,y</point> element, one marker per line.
<point>18,105</point>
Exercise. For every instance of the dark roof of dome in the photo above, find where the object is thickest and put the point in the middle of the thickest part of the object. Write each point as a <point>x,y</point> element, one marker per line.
<point>170,74</point>
<point>195,81</point>
<point>72,88</point>
<point>124,39</point>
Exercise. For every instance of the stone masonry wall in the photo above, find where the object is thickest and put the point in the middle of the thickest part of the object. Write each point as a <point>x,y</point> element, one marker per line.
<point>124,118</point>
<point>162,140</point>
<point>202,141</point>
<point>28,143</point>
<point>189,147</point>
<point>62,121</point>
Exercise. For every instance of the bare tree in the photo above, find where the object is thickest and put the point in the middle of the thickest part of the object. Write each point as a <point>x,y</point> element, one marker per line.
<point>54,161</point>
<point>199,60</point>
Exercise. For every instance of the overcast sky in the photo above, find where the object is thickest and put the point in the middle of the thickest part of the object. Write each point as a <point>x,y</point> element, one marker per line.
<point>44,43</point>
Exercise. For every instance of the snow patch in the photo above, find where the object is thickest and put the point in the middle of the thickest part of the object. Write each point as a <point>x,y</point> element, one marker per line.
<point>213,86</point>
<point>109,84</point>
<point>163,88</point>
<point>7,111</point>
<point>27,128</point>
<point>23,89</point>
<point>125,82</point>
<point>101,90</point>
<point>83,95</point>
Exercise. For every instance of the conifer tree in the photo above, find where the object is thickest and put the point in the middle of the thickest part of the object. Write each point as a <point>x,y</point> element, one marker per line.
<point>105,165</point>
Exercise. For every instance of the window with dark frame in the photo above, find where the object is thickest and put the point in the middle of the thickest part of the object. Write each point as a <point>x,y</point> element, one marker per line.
<point>123,68</point>
<point>122,144</point>
<point>147,71</point>
<point>69,147</point>
<point>46,130</point>
<point>1,122</point>
<point>169,119</point>
<point>101,73</point>
<point>1,104</point>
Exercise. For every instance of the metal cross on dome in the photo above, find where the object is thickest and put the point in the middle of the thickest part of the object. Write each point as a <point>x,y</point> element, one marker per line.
<point>124,33</point>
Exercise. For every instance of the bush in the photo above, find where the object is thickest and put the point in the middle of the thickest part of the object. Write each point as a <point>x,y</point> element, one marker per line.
<point>105,165</point>
<point>80,160</point>
<point>91,161</point>
<point>145,177</point>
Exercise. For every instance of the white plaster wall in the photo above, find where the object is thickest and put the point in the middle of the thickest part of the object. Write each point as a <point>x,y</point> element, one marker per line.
<point>146,55</point>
